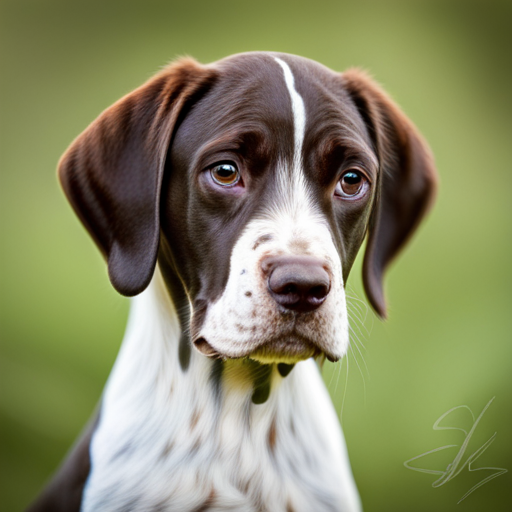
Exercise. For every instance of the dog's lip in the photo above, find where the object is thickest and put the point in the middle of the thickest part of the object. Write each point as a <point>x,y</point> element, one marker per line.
<point>206,349</point>
<point>270,351</point>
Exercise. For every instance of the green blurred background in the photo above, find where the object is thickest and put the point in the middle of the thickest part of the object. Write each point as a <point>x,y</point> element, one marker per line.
<point>447,342</point>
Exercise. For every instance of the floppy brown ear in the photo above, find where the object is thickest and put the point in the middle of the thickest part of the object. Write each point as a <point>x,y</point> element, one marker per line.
<point>112,173</point>
<point>407,180</point>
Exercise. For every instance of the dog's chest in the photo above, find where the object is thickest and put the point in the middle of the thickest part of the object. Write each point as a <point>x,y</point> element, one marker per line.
<point>174,440</point>
<point>211,474</point>
<point>233,459</point>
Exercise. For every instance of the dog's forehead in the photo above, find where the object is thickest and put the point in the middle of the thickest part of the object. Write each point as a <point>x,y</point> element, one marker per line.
<point>253,94</point>
<point>321,89</point>
<point>265,64</point>
<point>249,96</point>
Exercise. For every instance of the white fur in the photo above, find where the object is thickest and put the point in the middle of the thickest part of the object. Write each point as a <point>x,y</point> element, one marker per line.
<point>164,442</point>
<point>299,112</point>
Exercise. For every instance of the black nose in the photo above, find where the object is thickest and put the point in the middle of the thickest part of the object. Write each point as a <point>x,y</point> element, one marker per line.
<point>299,283</point>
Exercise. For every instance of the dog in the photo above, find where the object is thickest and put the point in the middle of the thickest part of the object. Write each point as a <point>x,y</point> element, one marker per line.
<point>231,199</point>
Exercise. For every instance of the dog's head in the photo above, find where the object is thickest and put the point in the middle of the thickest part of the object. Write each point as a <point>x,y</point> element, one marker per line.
<point>253,181</point>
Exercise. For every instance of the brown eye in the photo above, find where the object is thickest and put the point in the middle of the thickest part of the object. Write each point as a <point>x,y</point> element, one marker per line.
<point>352,184</point>
<point>226,175</point>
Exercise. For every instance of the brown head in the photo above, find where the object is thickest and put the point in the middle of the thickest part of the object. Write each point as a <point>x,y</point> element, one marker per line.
<point>253,182</point>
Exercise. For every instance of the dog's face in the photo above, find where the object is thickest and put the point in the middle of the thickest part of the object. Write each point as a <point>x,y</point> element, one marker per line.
<point>269,194</point>
<point>255,181</point>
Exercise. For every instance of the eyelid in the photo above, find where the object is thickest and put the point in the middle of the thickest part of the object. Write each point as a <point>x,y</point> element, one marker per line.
<point>223,161</point>
<point>359,169</point>
<point>205,160</point>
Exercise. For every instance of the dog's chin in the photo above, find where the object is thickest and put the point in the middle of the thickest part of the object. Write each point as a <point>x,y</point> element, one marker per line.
<point>281,350</point>
<point>268,354</point>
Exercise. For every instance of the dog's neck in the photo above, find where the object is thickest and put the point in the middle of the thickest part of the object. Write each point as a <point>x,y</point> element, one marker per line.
<point>201,426</point>
<point>150,361</point>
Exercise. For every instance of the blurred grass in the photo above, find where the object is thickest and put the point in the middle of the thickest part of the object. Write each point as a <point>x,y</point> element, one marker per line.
<point>447,343</point>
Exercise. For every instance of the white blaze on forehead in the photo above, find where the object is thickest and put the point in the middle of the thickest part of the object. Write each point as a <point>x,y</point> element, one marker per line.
<point>299,112</point>
<point>295,200</point>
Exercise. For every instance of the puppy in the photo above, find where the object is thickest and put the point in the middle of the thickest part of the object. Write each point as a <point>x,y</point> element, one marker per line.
<point>231,199</point>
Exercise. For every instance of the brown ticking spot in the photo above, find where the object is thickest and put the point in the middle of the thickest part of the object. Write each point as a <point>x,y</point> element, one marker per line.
<point>253,328</point>
<point>289,507</point>
<point>168,449</point>
<point>248,294</point>
<point>272,436</point>
<point>194,419</point>
<point>195,446</point>
<point>244,488</point>
<point>208,503</point>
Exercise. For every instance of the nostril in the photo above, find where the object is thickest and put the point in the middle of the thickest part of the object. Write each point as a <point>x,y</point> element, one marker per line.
<point>299,283</point>
<point>287,289</point>
<point>319,292</point>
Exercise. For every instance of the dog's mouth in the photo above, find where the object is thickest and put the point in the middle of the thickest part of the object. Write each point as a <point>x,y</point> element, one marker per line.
<point>288,349</point>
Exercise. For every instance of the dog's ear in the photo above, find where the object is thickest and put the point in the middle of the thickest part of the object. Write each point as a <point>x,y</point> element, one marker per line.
<point>406,185</point>
<point>112,173</point>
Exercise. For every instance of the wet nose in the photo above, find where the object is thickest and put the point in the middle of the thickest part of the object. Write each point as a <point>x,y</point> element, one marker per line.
<point>297,283</point>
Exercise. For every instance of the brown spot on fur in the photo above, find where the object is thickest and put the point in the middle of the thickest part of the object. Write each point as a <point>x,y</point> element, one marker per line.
<point>272,434</point>
<point>194,419</point>
<point>289,507</point>
<point>168,449</point>
<point>248,294</point>
<point>244,487</point>
<point>208,503</point>
<point>195,446</point>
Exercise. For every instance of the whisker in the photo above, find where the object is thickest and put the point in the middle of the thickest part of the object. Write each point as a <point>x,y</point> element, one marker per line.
<point>357,339</point>
<point>344,392</point>
<point>361,372</point>
<point>361,354</point>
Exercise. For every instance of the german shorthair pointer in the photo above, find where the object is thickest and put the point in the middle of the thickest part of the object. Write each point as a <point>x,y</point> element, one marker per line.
<point>232,199</point>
